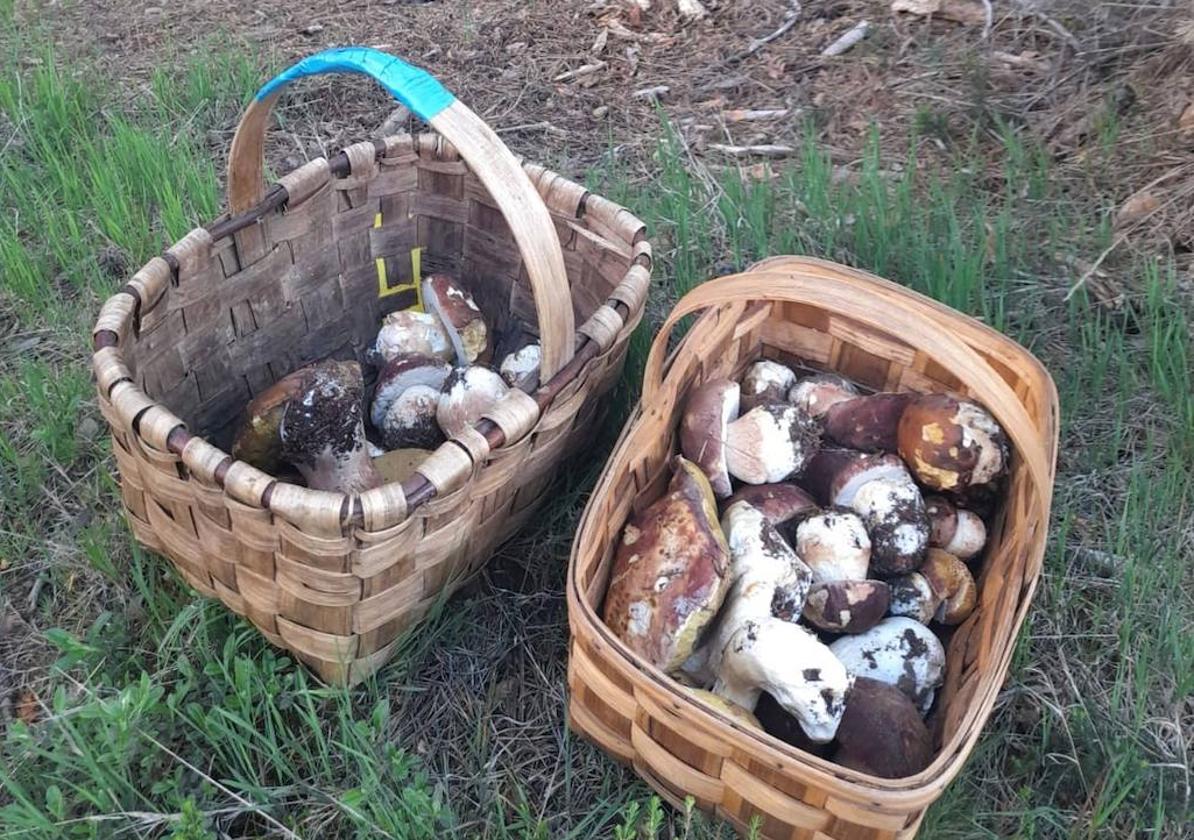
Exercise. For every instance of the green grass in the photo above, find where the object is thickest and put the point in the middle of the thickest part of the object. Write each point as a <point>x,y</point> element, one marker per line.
<point>164,716</point>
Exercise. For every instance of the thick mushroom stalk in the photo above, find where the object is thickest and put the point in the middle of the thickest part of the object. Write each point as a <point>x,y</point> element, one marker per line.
<point>669,573</point>
<point>835,545</point>
<point>816,394</point>
<point>461,319</point>
<point>323,431</point>
<point>900,652</point>
<point>793,666</point>
<point>520,369</point>
<point>951,444</point>
<point>765,382</point>
<point>408,331</point>
<point>468,393</point>
<point>959,531</point>
<point>703,430</point>
<point>770,443</point>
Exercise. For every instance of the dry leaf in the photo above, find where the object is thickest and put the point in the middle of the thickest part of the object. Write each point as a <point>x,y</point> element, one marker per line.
<point>27,707</point>
<point>599,44</point>
<point>965,12</point>
<point>1136,208</point>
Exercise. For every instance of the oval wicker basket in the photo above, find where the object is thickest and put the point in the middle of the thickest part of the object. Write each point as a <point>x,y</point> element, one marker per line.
<point>813,313</point>
<point>306,270</point>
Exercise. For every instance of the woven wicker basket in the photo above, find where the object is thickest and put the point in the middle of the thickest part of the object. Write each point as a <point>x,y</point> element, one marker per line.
<point>886,337</point>
<point>293,275</point>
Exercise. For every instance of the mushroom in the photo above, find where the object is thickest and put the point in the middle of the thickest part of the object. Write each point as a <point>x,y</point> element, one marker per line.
<point>780,504</point>
<point>882,733</point>
<point>912,596</point>
<point>397,376</point>
<point>312,419</point>
<point>703,430</point>
<point>770,443</point>
<point>894,513</point>
<point>669,571</point>
<point>461,318</point>
<point>959,531</point>
<point>468,393</point>
<point>410,421</point>
<point>765,382</point>
<point>410,331</point>
<point>768,580</point>
<point>899,652</point>
<point>951,444</point>
<point>815,395</point>
<point>868,423</point>
<point>834,544</point>
<point>731,710</point>
<point>834,475</point>
<point>793,666</point>
<point>776,721</point>
<point>846,606</point>
<point>520,369</point>
<point>954,585</point>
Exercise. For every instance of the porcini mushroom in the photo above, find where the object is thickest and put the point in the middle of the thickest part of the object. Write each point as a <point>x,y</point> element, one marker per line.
<point>793,666</point>
<point>894,513</point>
<point>780,504</point>
<point>703,430</point>
<point>320,427</point>
<point>468,393</point>
<point>954,585</point>
<point>959,531</point>
<point>409,331</point>
<point>846,606</point>
<point>520,369</point>
<point>912,596</point>
<point>951,444</point>
<point>414,425</point>
<point>833,475</point>
<point>765,382</point>
<point>882,733</point>
<point>899,652</point>
<point>835,545</point>
<point>769,444</point>
<point>868,423</point>
<point>461,318</point>
<point>815,395</point>
<point>669,572</point>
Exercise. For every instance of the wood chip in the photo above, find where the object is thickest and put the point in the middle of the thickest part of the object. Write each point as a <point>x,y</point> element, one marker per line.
<point>599,44</point>
<point>28,709</point>
<point>751,115</point>
<point>1136,207</point>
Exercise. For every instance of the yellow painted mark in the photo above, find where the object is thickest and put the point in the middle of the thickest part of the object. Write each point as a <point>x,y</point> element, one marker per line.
<point>384,289</point>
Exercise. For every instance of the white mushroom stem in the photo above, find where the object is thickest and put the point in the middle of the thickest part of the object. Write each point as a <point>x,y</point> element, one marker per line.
<point>791,665</point>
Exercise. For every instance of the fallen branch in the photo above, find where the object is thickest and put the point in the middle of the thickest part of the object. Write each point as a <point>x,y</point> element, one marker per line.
<point>583,70</point>
<point>757,44</point>
<point>773,150</point>
<point>750,115</point>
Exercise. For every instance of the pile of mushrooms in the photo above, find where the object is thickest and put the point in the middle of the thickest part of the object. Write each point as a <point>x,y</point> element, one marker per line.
<point>812,606</point>
<point>433,381</point>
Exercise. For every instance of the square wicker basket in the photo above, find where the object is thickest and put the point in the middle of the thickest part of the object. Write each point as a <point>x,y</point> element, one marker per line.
<point>826,316</point>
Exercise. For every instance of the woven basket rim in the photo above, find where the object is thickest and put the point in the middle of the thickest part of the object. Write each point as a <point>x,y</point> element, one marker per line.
<point>210,462</point>
<point>910,792</point>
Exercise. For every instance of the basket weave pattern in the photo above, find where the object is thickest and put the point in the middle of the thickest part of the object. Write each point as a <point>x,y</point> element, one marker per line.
<point>199,331</point>
<point>809,312</point>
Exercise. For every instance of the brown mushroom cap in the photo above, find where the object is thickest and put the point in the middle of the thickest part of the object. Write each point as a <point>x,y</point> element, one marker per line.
<point>703,430</point>
<point>409,331</point>
<point>951,580</point>
<point>404,372</point>
<point>461,318</point>
<point>951,444</point>
<point>894,513</point>
<point>779,503</point>
<point>765,382</point>
<point>816,394</point>
<point>868,423</point>
<point>258,439</point>
<point>846,606</point>
<point>833,475</point>
<point>770,444</point>
<point>468,393</point>
<point>669,573</point>
<point>912,596</point>
<point>881,732</point>
<point>776,721</point>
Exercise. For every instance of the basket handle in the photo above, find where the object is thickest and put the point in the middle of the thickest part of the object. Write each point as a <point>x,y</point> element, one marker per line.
<point>858,295</point>
<point>493,164</point>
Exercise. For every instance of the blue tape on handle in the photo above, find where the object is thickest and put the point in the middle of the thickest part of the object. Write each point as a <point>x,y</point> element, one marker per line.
<point>412,86</point>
